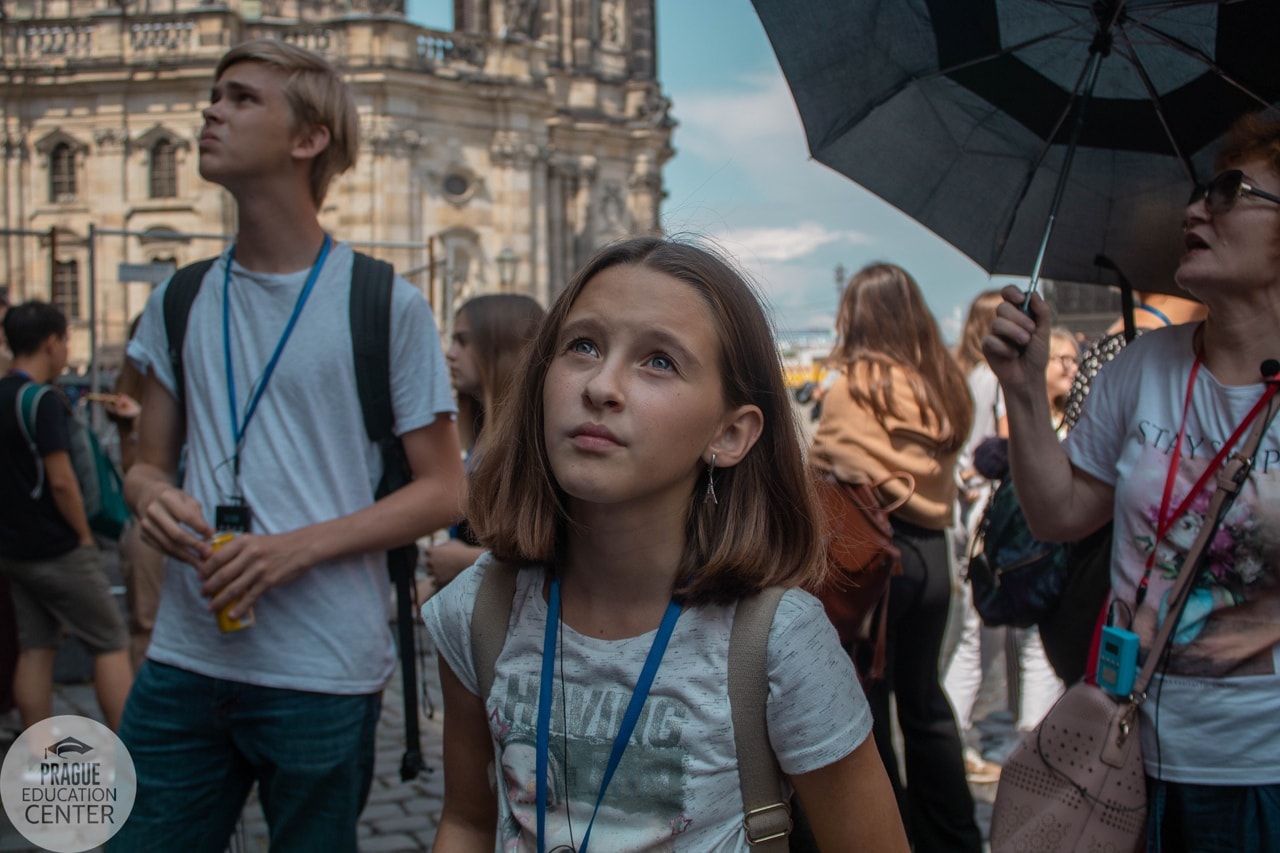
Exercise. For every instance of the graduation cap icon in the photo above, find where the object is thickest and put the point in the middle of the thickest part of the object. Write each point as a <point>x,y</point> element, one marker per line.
<point>67,746</point>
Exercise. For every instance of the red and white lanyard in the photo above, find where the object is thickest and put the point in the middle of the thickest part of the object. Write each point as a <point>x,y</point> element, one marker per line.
<point>1165,520</point>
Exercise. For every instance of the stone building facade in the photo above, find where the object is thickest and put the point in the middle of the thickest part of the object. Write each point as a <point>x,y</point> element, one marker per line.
<point>499,154</point>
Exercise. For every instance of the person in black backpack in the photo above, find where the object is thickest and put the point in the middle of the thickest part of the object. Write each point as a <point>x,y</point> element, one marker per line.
<point>265,387</point>
<point>46,548</point>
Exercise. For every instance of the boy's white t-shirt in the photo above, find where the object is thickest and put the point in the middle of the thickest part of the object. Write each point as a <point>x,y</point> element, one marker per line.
<point>1214,716</point>
<point>677,785</point>
<point>306,459</point>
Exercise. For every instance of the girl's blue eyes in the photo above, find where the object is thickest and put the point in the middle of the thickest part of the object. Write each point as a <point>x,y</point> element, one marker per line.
<point>585,347</point>
<point>666,363</point>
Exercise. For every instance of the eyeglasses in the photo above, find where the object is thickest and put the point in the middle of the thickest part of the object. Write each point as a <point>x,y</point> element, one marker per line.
<point>1222,193</point>
<point>1067,361</point>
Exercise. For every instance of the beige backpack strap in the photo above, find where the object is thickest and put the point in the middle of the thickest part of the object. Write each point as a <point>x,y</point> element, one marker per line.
<point>490,617</point>
<point>766,818</point>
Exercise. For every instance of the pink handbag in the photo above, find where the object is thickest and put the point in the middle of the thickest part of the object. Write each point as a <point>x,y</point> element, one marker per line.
<point>1077,781</point>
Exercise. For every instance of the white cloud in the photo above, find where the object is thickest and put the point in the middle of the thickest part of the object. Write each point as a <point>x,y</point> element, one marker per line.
<point>781,243</point>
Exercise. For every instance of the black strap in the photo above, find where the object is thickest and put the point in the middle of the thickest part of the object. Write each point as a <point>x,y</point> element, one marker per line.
<point>178,298</point>
<point>372,282</point>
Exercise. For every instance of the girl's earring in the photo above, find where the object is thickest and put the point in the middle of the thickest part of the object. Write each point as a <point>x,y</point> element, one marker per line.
<point>710,497</point>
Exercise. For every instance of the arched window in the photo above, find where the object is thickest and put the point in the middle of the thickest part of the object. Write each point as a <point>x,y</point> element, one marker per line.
<point>62,173</point>
<point>164,170</point>
<point>66,288</point>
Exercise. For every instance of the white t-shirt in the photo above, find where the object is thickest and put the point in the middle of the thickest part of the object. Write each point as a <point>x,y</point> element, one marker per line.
<point>306,459</point>
<point>677,786</point>
<point>1216,712</point>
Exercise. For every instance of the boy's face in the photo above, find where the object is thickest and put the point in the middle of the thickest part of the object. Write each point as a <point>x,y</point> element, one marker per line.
<point>249,131</point>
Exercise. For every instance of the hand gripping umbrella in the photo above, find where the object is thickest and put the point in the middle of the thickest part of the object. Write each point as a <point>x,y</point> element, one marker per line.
<point>999,124</point>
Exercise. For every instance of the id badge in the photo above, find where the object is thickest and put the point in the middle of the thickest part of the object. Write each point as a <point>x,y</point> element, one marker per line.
<point>232,517</point>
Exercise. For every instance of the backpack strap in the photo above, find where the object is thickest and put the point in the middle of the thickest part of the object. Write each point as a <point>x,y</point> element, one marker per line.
<point>766,817</point>
<point>372,282</point>
<point>371,285</point>
<point>27,402</point>
<point>490,617</point>
<point>179,296</point>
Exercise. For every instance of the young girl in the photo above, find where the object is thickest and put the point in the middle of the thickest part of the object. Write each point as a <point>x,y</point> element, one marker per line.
<point>489,333</point>
<point>647,475</point>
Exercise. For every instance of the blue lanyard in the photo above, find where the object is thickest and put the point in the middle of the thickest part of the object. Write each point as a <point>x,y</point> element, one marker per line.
<point>237,428</point>
<point>629,719</point>
<point>1163,317</point>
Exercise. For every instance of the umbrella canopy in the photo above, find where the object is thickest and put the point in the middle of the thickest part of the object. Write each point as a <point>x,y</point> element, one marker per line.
<point>962,113</point>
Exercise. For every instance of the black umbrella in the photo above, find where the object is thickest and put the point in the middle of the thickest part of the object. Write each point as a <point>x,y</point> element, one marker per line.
<point>967,114</point>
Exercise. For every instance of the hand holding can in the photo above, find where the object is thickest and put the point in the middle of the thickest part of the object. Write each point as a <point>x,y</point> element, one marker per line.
<point>226,623</point>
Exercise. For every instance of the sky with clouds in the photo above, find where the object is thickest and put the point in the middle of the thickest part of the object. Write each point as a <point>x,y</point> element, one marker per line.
<point>742,175</point>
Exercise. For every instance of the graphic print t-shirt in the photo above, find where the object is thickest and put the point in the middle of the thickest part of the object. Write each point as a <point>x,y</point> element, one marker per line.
<point>677,785</point>
<point>1216,711</point>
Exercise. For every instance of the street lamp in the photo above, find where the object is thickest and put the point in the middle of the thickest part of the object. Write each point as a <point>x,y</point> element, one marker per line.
<point>507,261</point>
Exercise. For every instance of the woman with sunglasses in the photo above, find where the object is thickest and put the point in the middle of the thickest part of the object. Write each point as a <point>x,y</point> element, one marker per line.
<point>1170,408</point>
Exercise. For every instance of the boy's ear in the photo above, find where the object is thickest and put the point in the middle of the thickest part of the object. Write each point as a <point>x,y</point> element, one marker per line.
<point>740,432</point>
<point>311,141</point>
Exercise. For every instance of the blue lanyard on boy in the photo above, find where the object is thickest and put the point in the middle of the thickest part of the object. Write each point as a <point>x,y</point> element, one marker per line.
<point>238,428</point>
<point>629,720</point>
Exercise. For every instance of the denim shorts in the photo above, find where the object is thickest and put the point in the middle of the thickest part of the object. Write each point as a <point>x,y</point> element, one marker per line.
<point>69,591</point>
<point>199,744</point>
<point>1186,818</point>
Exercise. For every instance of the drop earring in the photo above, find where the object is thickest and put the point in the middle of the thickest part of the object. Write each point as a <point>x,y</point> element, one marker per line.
<point>710,496</point>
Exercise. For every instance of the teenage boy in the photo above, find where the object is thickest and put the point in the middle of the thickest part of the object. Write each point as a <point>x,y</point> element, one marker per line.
<point>275,448</point>
<point>47,553</point>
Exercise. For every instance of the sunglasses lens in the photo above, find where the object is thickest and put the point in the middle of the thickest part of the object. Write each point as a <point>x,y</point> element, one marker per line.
<point>1224,191</point>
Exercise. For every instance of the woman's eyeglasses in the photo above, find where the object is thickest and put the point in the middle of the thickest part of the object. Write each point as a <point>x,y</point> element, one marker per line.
<point>1067,361</point>
<point>1221,194</point>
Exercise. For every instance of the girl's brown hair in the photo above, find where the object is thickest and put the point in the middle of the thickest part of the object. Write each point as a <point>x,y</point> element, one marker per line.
<point>883,322</point>
<point>502,324</point>
<point>762,532</point>
<point>982,312</point>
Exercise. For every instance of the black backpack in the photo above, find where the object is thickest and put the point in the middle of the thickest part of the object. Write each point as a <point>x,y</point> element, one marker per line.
<point>370,311</point>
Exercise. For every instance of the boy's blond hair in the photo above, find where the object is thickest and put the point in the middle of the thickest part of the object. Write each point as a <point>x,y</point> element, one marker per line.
<point>317,95</point>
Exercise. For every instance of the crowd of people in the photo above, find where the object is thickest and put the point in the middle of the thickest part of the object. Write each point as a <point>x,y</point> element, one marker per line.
<point>634,483</point>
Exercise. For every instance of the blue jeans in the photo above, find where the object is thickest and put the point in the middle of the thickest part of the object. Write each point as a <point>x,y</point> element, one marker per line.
<point>200,743</point>
<point>1185,818</point>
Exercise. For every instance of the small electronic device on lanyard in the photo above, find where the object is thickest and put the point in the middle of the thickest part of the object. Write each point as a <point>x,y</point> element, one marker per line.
<point>1117,660</point>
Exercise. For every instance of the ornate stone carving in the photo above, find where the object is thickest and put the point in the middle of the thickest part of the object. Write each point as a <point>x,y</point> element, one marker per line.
<point>655,109</point>
<point>611,34</point>
<point>394,140</point>
<point>522,18</point>
<point>511,149</point>
<point>110,139</point>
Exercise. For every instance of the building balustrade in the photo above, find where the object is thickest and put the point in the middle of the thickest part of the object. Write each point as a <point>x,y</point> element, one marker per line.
<point>204,35</point>
<point>54,40</point>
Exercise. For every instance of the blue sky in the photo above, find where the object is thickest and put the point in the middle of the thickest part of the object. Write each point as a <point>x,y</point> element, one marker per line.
<point>742,174</point>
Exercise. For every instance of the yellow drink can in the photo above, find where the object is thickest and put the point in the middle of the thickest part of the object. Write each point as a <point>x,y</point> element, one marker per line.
<point>226,624</point>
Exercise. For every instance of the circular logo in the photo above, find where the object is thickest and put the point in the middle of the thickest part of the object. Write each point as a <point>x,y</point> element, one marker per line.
<point>68,784</point>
